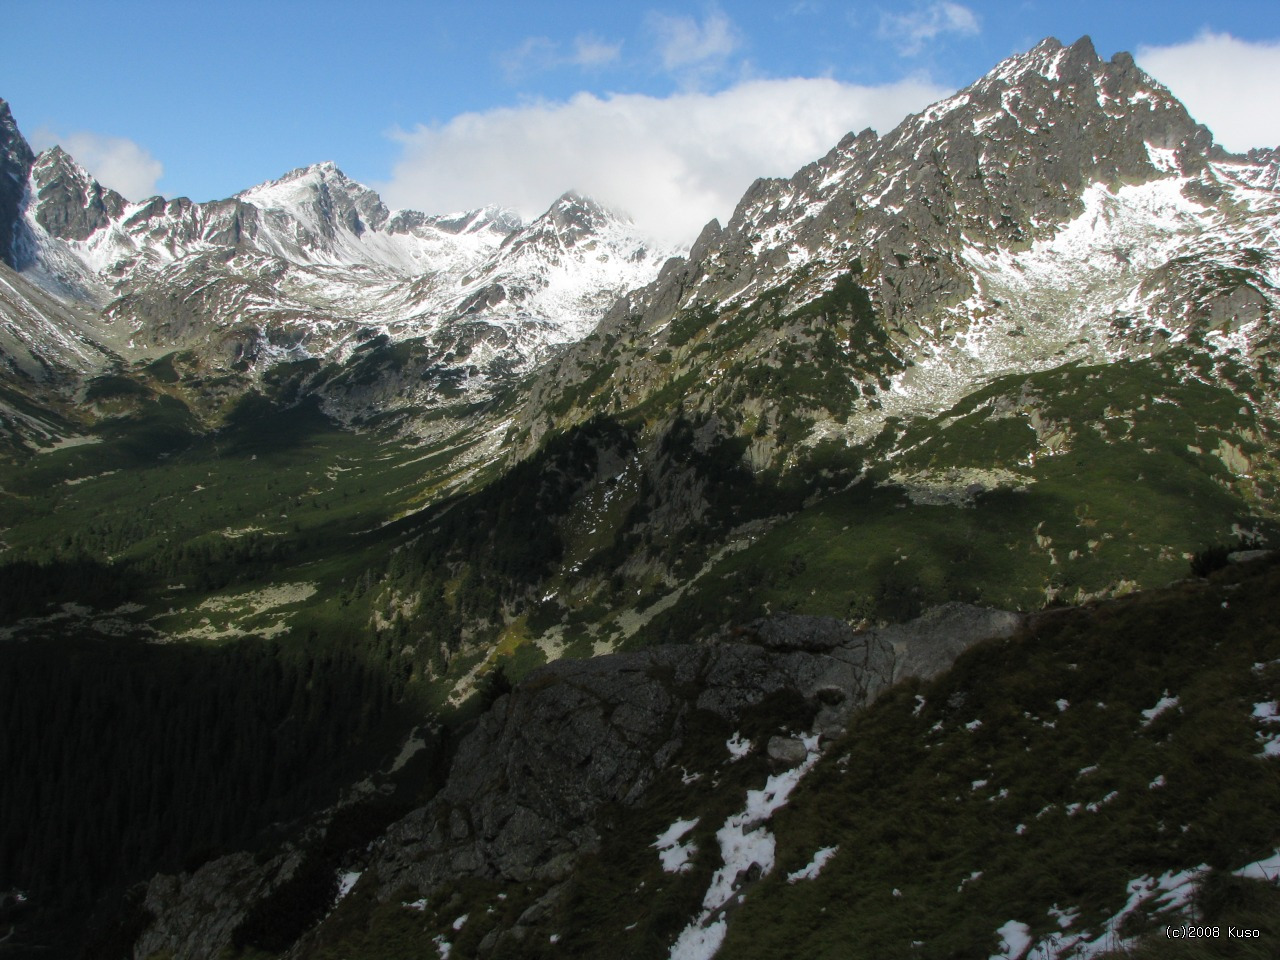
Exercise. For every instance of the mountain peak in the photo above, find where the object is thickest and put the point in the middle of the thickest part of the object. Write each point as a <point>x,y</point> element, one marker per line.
<point>573,198</point>
<point>12,143</point>
<point>1051,89</point>
<point>55,162</point>
<point>313,176</point>
<point>1049,59</point>
<point>573,207</point>
<point>321,196</point>
<point>54,154</point>
<point>324,170</point>
<point>69,203</point>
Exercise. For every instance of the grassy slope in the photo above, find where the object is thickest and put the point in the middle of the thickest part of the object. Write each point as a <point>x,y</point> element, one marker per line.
<point>901,802</point>
<point>276,496</point>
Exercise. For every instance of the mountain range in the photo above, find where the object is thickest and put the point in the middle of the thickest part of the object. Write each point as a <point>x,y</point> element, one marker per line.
<point>310,266</point>
<point>486,588</point>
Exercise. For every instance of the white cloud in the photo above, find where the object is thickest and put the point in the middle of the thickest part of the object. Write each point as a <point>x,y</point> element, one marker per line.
<point>685,43</point>
<point>911,31</point>
<point>672,163</point>
<point>1228,84</point>
<point>590,51</point>
<point>535,54</point>
<point>115,162</point>
<point>532,55</point>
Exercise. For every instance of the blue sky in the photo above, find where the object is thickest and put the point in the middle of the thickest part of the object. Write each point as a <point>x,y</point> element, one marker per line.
<point>665,110</point>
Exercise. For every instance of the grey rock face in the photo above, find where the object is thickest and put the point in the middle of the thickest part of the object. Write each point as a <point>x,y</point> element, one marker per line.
<point>69,203</point>
<point>527,783</point>
<point>787,751</point>
<point>197,913</point>
<point>329,200</point>
<point>16,159</point>
<point>1248,556</point>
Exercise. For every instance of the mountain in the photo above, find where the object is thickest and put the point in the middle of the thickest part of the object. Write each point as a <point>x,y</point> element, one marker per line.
<point>1048,297</point>
<point>310,266</point>
<point>1059,210</point>
<point>15,165</point>
<point>887,575</point>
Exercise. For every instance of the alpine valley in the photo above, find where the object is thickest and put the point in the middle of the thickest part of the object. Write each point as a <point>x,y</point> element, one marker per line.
<point>887,577</point>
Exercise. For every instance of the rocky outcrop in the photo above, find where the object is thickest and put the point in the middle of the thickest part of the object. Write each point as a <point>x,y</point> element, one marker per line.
<point>578,734</point>
<point>194,915</point>
<point>15,165</point>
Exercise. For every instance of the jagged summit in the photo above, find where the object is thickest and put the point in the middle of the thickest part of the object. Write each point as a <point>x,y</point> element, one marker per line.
<point>1049,58</point>
<point>322,198</point>
<point>571,218</point>
<point>69,203</point>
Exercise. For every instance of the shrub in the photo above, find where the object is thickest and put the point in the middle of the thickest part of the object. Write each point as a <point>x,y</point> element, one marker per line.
<point>1209,559</point>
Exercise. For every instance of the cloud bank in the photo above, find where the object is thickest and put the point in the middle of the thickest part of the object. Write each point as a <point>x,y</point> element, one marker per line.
<point>1228,84</point>
<point>672,163</point>
<point>115,162</point>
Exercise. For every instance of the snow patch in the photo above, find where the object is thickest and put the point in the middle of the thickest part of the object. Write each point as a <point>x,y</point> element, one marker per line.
<point>1163,159</point>
<point>1266,869</point>
<point>675,856</point>
<point>1165,703</point>
<point>346,880</point>
<point>1267,712</point>
<point>1168,894</point>
<point>1015,938</point>
<point>814,866</point>
<point>699,943</point>
<point>745,844</point>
